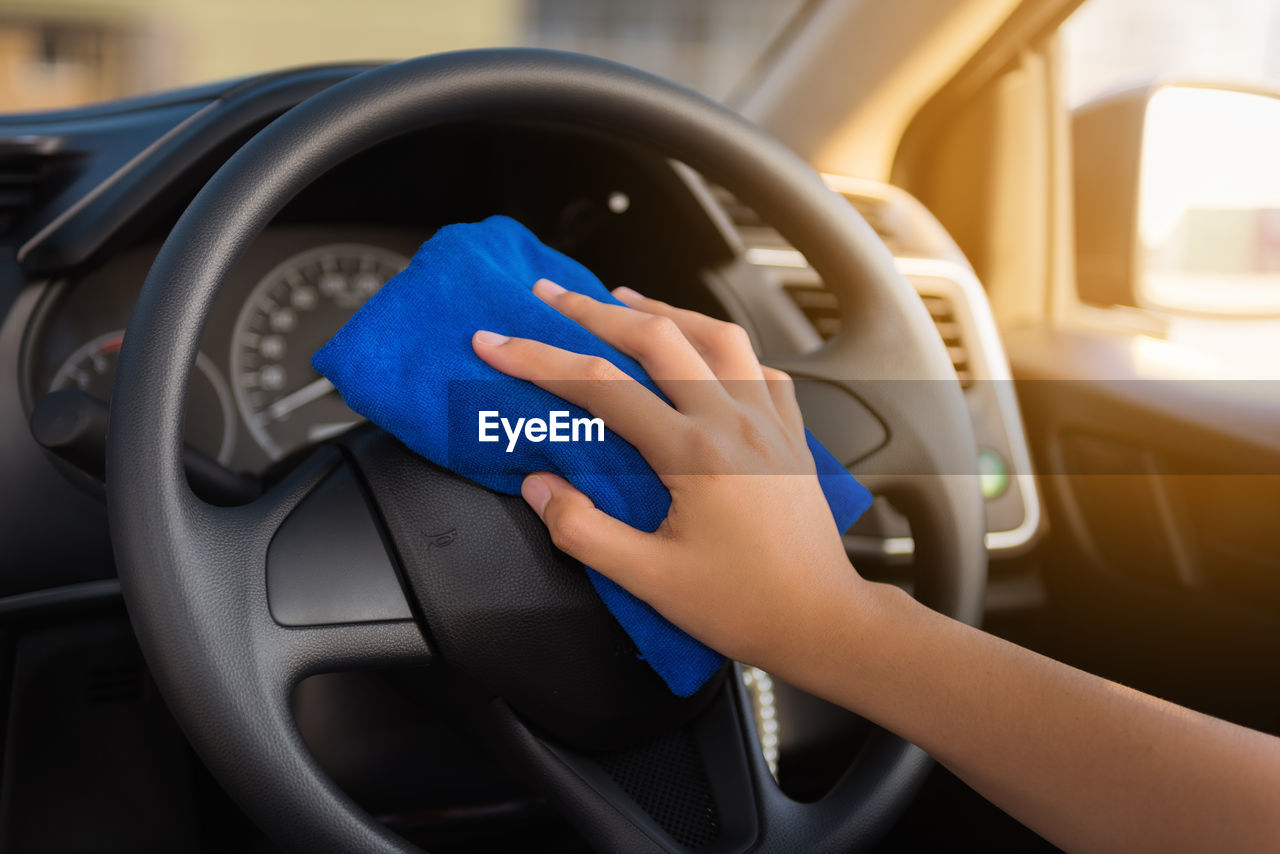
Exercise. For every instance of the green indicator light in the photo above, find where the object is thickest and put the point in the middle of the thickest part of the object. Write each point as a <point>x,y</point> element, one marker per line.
<point>993,474</point>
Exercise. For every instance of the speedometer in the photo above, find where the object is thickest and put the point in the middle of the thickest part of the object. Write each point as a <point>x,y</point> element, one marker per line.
<point>210,425</point>
<point>289,315</point>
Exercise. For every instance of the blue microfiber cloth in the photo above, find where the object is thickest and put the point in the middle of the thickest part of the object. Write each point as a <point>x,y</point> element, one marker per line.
<point>405,362</point>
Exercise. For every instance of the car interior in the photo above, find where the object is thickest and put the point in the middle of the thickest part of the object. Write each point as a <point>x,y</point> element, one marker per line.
<point>220,627</point>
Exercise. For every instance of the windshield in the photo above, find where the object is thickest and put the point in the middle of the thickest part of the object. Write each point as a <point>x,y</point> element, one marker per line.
<point>62,53</point>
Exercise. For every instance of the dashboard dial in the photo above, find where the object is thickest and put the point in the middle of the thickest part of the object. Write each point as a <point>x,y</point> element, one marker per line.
<point>291,313</point>
<point>92,369</point>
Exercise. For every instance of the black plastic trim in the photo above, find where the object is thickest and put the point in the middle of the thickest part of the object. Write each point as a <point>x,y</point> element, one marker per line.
<point>328,563</point>
<point>58,598</point>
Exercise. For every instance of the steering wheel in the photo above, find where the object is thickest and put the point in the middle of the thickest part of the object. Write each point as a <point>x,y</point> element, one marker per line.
<point>366,555</point>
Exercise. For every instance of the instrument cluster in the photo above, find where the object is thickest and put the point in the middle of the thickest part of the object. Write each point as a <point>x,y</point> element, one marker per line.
<point>254,396</point>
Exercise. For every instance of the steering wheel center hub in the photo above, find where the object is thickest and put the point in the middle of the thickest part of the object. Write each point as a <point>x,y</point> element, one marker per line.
<point>509,610</point>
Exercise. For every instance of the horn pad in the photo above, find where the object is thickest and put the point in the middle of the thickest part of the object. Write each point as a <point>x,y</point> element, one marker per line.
<point>512,612</point>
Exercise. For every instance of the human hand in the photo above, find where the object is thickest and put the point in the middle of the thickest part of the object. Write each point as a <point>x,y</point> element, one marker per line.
<point>748,554</point>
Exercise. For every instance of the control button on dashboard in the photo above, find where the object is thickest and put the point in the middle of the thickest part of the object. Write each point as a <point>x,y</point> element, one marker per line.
<point>993,473</point>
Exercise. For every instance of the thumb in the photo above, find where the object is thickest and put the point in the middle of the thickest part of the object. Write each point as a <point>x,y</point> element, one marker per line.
<point>582,531</point>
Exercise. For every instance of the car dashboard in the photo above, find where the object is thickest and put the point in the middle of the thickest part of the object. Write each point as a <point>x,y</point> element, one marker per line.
<point>92,194</point>
<point>95,216</point>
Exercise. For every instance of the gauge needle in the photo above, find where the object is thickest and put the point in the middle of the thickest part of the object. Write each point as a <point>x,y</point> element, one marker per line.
<point>320,432</point>
<point>301,397</point>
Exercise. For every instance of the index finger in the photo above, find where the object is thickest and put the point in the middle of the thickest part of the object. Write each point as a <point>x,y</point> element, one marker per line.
<point>597,385</point>
<point>725,346</point>
<point>654,341</point>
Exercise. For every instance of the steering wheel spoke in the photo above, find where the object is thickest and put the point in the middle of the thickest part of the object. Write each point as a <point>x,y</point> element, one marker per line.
<point>700,787</point>
<point>704,787</point>
<point>322,566</point>
<point>302,652</point>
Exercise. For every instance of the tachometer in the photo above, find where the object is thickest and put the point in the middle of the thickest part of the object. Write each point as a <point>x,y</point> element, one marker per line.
<point>291,313</point>
<point>92,369</point>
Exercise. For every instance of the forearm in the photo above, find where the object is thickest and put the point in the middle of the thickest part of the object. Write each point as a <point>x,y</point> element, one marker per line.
<point>1089,764</point>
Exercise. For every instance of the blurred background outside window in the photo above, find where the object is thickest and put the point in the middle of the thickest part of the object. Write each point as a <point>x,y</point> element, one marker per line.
<point>1208,220</point>
<point>1214,235</point>
<point>58,53</point>
<point>1116,44</point>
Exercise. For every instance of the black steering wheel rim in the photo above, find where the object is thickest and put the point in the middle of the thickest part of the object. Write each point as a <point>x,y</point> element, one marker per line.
<point>195,628</point>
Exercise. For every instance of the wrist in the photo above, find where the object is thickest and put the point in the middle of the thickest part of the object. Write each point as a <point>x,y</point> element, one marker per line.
<point>845,639</point>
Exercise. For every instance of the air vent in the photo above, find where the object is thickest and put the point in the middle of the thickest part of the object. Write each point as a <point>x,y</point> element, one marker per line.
<point>944,318</point>
<point>819,306</point>
<point>31,169</point>
<point>880,215</point>
<point>751,227</point>
<point>756,232</point>
<point>817,303</point>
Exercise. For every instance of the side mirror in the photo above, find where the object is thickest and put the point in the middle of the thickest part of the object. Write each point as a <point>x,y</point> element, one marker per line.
<point>1177,200</point>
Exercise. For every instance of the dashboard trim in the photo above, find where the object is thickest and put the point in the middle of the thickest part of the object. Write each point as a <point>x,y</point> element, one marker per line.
<point>993,367</point>
<point>105,184</point>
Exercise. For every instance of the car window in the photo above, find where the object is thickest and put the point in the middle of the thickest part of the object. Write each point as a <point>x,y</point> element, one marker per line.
<point>1115,44</point>
<point>79,51</point>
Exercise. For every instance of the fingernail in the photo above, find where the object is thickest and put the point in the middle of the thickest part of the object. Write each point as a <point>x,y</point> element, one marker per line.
<point>536,492</point>
<point>624,293</point>
<point>490,339</point>
<point>547,287</point>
